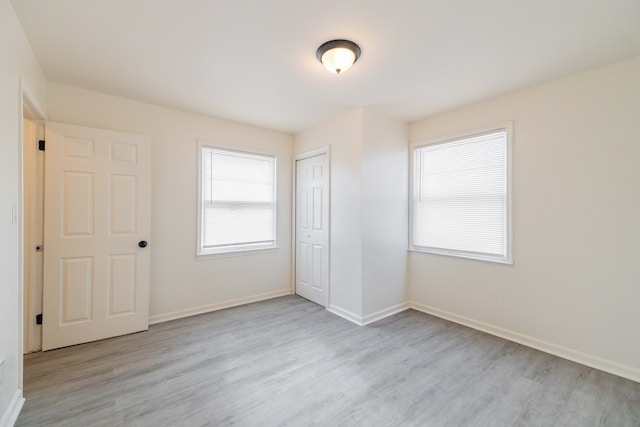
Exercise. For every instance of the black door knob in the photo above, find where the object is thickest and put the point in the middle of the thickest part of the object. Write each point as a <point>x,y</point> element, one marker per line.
<point>142,244</point>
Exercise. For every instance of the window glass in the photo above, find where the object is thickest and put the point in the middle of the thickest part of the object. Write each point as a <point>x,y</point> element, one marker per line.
<point>460,197</point>
<point>237,209</point>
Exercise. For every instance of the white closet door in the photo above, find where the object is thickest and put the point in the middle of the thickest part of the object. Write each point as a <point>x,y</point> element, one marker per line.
<point>96,229</point>
<point>312,229</point>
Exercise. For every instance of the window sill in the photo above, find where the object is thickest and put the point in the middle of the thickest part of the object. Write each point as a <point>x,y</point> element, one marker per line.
<point>462,255</point>
<point>258,251</point>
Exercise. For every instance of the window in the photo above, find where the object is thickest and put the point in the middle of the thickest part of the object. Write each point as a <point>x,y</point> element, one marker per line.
<point>461,196</point>
<point>237,201</point>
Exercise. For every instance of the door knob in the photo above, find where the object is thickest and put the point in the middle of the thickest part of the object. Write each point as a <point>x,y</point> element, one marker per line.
<point>142,243</point>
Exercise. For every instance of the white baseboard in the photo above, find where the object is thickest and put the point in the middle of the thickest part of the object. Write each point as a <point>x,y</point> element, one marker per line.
<point>10,415</point>
<point>165,317</point>
<point>381,314</point>
<point>369,318</point>
<point>346,314</point>
<point>609,366</point>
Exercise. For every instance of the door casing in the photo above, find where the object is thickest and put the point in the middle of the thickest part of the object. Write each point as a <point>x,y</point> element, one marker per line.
<point>33,221</point>
<point>28,105</point>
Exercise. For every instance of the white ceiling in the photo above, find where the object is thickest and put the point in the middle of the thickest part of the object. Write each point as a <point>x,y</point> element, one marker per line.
<point>253,61</point>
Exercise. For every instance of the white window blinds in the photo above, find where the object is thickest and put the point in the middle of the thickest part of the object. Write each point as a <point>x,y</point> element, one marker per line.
<point>460,197</point>
<point>238,202</point>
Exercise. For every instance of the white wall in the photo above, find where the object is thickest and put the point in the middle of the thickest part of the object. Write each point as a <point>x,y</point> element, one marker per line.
<point>368,211</point>
<point>574,288</point>
<point>384,213</point>
<point>344,135</point>
<point>16,61</point>
<point>180,285</point>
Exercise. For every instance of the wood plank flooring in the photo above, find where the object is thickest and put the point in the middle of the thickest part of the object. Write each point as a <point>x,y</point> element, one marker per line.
<point>288,362</point>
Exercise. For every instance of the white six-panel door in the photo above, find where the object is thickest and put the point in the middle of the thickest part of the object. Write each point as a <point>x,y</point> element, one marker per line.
<point>97,211</point>
<point>312,229</point>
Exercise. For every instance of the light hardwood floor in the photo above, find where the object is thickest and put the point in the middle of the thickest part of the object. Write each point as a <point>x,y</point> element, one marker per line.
<point>289,362</point>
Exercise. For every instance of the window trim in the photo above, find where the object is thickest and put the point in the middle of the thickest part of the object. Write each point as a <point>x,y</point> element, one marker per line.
<point>243,248</point>
<point>507,126</point>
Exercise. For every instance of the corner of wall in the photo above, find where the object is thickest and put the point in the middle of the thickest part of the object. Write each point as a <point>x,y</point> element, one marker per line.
<point>12,412</point>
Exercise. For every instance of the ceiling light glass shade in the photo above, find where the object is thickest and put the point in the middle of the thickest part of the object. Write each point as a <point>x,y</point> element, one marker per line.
<point>338,56</point>
<point>338,59</point>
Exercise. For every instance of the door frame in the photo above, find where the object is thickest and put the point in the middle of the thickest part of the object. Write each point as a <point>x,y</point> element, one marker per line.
<point>33,174</point>
<point>28,102</point>
<point>303,156</point>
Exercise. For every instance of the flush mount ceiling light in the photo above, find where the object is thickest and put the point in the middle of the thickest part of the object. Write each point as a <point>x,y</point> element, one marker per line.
<point>338,56</point>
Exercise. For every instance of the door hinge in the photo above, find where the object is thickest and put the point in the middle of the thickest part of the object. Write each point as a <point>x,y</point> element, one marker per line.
<point>38,319</point>
<point>41,145</point>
